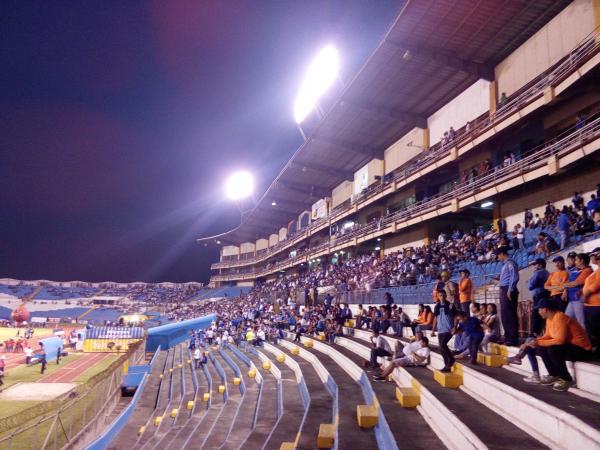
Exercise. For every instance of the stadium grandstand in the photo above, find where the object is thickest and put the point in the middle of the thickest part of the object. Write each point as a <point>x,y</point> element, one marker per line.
<point>422,274</point>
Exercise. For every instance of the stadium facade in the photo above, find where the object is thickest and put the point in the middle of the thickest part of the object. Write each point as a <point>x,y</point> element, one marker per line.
<point>449,123</point>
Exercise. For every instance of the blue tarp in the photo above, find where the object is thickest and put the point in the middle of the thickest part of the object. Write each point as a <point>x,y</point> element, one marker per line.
<point>133,379</point>
<point>52,345</point>
<point>167,336</point>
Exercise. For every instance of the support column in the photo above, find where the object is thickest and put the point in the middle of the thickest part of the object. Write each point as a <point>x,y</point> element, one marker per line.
<point>493,97</point>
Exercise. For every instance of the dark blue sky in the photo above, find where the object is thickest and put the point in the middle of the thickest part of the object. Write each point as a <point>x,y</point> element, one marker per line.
<point>120,119</point>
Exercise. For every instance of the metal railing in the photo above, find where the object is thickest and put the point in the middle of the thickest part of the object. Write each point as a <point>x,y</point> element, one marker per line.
<point>533,90</point>
<point>567,142</point>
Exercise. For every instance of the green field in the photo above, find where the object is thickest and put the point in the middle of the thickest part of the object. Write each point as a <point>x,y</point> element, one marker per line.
<point>7,333</point>
<point>30,374</point>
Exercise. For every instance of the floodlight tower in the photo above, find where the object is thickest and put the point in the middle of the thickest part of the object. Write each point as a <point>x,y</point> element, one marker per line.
<point>239,187</point>
<point>321,74</point>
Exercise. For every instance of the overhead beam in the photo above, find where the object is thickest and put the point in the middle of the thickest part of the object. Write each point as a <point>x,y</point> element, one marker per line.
<point>409,119</point>
<point>348,146</point>
<point>315,191</point>
<point>327,170</point>
<point>446,58</point>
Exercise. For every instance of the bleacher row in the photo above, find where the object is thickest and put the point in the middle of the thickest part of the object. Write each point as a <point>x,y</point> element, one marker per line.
<point>316,395</point>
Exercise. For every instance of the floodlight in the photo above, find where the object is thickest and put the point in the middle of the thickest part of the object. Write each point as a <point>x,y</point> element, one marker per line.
<point>321,74</point>
<point>487,204</point>
<point>239,185</point>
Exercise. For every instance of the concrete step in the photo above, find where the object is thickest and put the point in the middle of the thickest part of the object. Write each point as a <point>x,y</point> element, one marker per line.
<point>218,433</point>
<point>266,416</point>
<point>323,405</point>
<point>557,419</point>
<point>294,407</point>
<point>244,421</point>
<point>399,419</point>
<point>346,375</point>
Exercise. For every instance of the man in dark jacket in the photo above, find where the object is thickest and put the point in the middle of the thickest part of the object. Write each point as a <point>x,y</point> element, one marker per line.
<point>536,287</point>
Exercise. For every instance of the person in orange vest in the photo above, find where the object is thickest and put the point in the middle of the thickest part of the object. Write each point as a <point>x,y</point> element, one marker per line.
<point>555,283</point>
<point>564,340</point>
<point>591,300</point>
<point>465,291</point>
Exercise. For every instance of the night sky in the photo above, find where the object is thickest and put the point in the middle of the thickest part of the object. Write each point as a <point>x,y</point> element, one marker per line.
<point>119,121</point>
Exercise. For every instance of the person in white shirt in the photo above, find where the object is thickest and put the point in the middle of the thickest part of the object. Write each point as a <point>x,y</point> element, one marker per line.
<point>197,357</point>
<point>415,354</point>
<point>28,354</point>
<point>381,347</point>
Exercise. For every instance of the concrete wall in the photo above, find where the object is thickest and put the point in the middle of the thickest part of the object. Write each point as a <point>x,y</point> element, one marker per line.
<point>365,176</point>
<point>404,149</point>
<point>341,193</point>
<point>261,244</point>
<point>557,189</point>
<point>547,46</point>
<point>282,234</point>
<point>470,104</point>
<point>411,238</point>
<point>247,247</point>
<point>230,250</point>
<point>273,240</point>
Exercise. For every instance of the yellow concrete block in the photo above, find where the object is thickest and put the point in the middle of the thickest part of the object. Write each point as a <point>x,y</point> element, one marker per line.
<point>347,323</point>
<point>221,389</point>
<point>367,416</point>
<point>251,373</point>
<point>448,379</point>
<point>498,349</point>
<point>481,358</point>
<point>326,435</point>
<point>281,358</point>
<point>141,430</point>
<point>190,404</point>
<point>308,343</point>
<point>206,396</point>
<point>494,360</point>
<point>321,337</point>
<point>236,381</point>
<point>287,446</point>
<point>157,420</point>
<point>266,365</point>
<point>174,412</point>
<point>408,397</point>
<point>295,351</point>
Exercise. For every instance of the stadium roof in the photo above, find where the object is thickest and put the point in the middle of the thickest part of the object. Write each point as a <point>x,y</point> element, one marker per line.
<point>433,51</point>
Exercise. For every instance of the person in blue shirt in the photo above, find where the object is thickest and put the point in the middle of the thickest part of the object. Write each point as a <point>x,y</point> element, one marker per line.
<point>564,227</point>
<point>592,204</point>
<point>471,328</point>
<point>509,296</point>
<point>443,322</point>
<point>536,287</point>
<point>328,302</point>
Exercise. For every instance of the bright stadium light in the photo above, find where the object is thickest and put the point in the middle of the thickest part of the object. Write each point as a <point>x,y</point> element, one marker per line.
<point>239,185</point>
<point>321,74</point>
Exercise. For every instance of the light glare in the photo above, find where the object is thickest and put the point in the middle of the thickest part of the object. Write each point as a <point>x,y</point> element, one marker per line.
<point>320,75</point>
<point>239,185</point>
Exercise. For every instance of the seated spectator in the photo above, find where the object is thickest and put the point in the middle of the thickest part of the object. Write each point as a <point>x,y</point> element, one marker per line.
<point>491,327</point>
<point>471,327</point>
<point>424,320</point>
<point>399,320</point>
<point>413,354</point>
<point>381,347</point>
<point>564,340</point>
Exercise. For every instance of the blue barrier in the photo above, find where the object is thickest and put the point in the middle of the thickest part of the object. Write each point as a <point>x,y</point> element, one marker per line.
<point>209,381</point>
<point>167,336</point>
<point>52,346</point>
<point>102,441</point>
<point>132,379</point>
<point>140,369</point>
<point>235,368</point>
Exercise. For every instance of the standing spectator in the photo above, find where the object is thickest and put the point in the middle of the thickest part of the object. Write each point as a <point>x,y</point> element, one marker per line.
<point>465,291</point>
<point>536,286</point>
<point>42,359</point>
<point>509,296</point>
<point>2,370</point>
<point>592,204</point>
<point>577,201</point>
<point>197,357</point>
<point>574,288</point>
<point>381,347</point>
<point>28,354</point>
<point>564,227</point>
<point>501,225</point>
<point>443,322</point>
<point>528,218</point>
<point>389,301</point>
<point>555,283</point>
<point>591,299</point>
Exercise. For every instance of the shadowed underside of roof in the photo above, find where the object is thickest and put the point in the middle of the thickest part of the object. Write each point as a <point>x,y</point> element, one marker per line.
<point>433,51</point>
